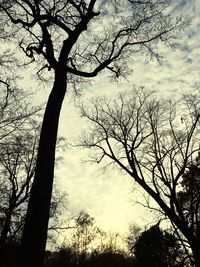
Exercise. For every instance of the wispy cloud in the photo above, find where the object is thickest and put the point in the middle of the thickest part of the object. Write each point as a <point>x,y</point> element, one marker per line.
<point>105,196</point>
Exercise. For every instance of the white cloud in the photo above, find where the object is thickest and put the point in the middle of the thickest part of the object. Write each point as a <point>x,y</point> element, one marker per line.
<point>107,197</point>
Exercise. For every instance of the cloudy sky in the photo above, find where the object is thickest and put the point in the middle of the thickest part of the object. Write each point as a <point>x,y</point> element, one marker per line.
<point>110,197</point>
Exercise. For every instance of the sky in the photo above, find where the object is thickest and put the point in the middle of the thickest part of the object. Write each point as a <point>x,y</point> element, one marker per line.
<point>110,197</point>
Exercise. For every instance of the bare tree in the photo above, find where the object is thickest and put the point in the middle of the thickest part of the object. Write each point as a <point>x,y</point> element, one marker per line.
<point>15,107</point>
<point>155,142</point>
<point>15,111</point>
<point>77,39</point>
<point>83,235</point>
<point>17,167</point>
<point>85,232</point>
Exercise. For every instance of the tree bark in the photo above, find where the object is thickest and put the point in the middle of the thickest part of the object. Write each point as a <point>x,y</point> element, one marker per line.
<point>196,252</point>
<point>36,224</point>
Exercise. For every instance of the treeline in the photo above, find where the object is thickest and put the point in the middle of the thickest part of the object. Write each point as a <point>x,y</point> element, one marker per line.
<point>152,247</point>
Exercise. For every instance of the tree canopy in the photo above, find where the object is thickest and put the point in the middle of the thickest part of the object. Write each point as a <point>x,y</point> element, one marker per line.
<point>154,141</point>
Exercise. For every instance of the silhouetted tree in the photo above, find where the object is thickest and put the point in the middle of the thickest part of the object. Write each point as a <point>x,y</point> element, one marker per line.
<point>82,232</point>
<point>14,105</point>
<point>15,110</point>
<point>15,132</point>
<point>110,259</point>
<point>156,247</point>
<point>63,258</point>
<point>189,197</point>
<point>147,139</point>
<point>8,64</point>
<point>17,167</point>
<point>133,234</point>
<point>61,223</point>
<point>76,39</point>
<point>69,257</point>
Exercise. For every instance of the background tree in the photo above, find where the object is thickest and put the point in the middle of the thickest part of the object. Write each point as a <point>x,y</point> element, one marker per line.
<point>68,257</point>
<point>156,247</point>
<point>57,32</point>
<point>84,247</point>
<point>84,233</point>
<point>149,140</point>
<point>14,105</point>
<point>16,133</point>
<point>189,199</point>
<point>15,110</point>
<point>189,196</point>
<point>15,113</point>
<point>110,259</point>
<point>17,167</point>
<point>133,234</point>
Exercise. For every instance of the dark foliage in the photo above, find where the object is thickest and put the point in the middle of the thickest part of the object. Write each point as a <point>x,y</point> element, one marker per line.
<point>69,258</point>
<point>110,259</point>
<point>9,254</point>
<point>157,248</point>
<point>189,196</point>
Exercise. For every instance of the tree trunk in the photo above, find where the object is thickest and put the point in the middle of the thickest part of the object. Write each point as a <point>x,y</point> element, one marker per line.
<point>180,223</point>
<point>196,253</point>
<point>36,224</point>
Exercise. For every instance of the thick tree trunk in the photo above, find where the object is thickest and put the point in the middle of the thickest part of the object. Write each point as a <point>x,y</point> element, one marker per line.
<point>36,224</point>
<point>196,253</point>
